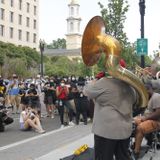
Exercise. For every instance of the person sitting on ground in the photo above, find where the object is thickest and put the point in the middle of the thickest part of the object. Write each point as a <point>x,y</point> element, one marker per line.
<point>29,120</point>
<point>150,121</point>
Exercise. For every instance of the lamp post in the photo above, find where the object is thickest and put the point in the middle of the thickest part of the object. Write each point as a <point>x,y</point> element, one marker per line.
<point>142,13</point>
<point>41,46</point>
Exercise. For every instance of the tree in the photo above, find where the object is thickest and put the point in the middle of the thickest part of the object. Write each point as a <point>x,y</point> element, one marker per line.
<point>114,17</point>
<point>63,66</point>
<point>18,59</point>
<point>57,44</point>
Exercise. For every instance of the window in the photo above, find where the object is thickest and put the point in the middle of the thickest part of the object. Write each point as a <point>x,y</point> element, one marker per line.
<point>11,17</point>
<point>27,36</point>
<point>78,27</point>
<point>2,30</point>
<point>11,32</point>
<point>35,10</point>
<point>2,14</point>
<point>19,34</point>
<point>71,27</point>
<point>34,38</point>
<point>34,24</point>
<point>19,19</point>
<point>77,11</point>
<point>72,11</point>
<point>27,21</point>
<point>12,3</point>
<point>28,6</point>
<point>20,4</point>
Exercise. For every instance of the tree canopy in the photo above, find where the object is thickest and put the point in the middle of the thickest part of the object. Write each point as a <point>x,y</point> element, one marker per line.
<point>18,59</point>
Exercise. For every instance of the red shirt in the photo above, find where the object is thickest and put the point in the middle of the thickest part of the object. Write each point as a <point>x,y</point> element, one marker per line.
<point>63,94</point>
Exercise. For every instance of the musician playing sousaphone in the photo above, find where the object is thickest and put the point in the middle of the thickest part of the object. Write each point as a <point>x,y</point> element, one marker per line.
<point>114,97</point>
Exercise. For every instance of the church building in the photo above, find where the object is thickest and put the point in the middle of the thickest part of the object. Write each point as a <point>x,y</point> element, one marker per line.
<point>73,36</point>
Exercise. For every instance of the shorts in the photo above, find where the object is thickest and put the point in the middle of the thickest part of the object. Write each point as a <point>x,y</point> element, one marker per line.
<point>148,126</point>
<point>23,128</point>
<point>49,100</point>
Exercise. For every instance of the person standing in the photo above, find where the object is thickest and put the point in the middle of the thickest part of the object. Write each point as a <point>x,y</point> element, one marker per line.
<point>112,122</point>
<point>81,101</point>
<point>50,97</point>
<point>13,91</point>
<point>62,92</point>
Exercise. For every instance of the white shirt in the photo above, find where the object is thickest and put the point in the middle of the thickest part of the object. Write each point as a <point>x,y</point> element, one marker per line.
<point>23,114</point>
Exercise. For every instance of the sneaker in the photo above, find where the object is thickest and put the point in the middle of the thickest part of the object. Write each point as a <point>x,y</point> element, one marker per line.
<point>62,126</point>
<point>52,116</point>
<point>17,112</point>
<point>40,131</point>
<point>135,155</point>
<point>71,123</point>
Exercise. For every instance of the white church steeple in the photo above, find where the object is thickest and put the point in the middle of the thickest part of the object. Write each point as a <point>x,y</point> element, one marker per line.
<point>73,36</point>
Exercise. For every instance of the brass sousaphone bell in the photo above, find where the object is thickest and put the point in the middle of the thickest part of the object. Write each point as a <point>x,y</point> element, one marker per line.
<point>95,42</point>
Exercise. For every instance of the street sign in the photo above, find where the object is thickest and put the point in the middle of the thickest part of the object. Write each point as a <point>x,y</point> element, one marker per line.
<point>142,46</point>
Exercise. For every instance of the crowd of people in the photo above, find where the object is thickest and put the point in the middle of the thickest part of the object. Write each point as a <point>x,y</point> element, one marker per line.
<point>62,95</point>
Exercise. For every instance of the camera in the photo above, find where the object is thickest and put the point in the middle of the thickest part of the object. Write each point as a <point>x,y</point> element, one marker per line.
<point>81,81</point>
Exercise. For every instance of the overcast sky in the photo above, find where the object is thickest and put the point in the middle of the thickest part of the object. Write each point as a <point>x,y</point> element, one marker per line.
<point>53,15</point>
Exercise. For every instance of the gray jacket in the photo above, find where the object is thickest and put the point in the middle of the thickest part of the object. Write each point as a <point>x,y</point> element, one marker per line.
<point>114,100</point>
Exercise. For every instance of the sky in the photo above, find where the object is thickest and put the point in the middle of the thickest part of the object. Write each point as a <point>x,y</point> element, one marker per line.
<point>53,15</point>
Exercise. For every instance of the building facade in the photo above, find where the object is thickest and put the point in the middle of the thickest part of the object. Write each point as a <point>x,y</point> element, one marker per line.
<point>19,22</point>
<point>73,36</point>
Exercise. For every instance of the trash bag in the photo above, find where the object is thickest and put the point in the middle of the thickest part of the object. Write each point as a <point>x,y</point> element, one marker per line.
<point>88,154</point>
<point>8,120</point>
<point>2,128</point>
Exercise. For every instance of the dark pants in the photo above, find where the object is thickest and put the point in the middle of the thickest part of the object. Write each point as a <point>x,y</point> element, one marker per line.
<point>61,111</point>
<point>70,109</point>
<point>105,148</point>
<point>61,105</point>
<point>81,108</point>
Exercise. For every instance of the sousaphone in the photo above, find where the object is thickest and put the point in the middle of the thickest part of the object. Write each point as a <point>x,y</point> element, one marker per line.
<point>95,42</point>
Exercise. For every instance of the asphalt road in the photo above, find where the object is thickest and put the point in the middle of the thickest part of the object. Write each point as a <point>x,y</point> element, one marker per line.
<point>54,144</point>
<point>13,133</point>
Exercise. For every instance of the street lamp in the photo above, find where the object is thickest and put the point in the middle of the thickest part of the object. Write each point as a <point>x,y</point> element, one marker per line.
<point>41,47</point>
<point>142,13</point>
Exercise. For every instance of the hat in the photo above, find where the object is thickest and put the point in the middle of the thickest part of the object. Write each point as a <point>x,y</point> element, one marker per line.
<point>14,76</point>
<point>38,76</point>
<point>100,75</point>
<point>122,63</point>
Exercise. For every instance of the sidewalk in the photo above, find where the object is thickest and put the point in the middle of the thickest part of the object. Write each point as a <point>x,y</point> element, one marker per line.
<point>67,150</point>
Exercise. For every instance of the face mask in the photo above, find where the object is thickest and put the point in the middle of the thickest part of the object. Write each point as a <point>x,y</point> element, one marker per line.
<point>62,84</point>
